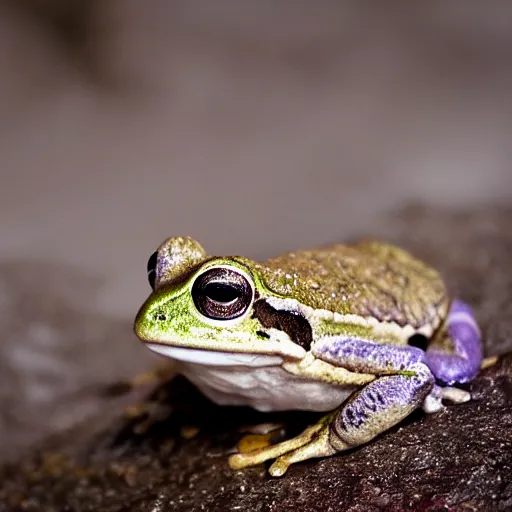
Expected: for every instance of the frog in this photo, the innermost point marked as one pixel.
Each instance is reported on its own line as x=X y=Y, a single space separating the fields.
x=364 y=333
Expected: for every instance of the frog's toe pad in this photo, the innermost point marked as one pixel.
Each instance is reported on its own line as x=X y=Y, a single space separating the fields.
x=455 y=395
x=318 y=447
x=434 y=401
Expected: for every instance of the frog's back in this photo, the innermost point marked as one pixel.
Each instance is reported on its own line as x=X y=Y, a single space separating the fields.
x=369 y=279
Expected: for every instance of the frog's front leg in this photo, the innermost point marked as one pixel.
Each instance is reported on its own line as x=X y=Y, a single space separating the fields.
x=455 y=353
x=403 y=384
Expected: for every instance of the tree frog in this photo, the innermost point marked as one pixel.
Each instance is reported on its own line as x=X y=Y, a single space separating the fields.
x=364 y=332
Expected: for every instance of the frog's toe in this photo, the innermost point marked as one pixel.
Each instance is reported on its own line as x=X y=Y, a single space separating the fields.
x=434 y=400
x=317 y=447
x=455 y=395
x=432 y=404
x=255 y=457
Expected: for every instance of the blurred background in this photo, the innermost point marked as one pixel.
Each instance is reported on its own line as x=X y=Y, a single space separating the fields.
x=253 y=126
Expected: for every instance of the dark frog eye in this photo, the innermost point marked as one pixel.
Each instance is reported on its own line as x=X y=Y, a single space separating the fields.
x=152 y=269
x=222 y=293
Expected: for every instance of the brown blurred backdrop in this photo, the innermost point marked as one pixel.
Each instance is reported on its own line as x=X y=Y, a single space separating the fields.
x=256 y=126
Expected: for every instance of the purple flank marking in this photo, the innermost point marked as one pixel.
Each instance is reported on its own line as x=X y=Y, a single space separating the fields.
x=364 y=356
x=464 y=364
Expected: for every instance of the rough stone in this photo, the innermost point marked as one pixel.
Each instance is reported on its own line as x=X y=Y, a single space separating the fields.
x=148 y=458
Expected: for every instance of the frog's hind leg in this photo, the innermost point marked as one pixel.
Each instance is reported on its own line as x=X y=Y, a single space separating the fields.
x=455 y=353
x=403 y=384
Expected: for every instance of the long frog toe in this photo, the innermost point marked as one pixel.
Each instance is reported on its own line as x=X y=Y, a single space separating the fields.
x=319 y=446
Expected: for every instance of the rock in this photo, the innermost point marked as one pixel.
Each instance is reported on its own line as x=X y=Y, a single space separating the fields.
x=170 y=452
x=56 y=351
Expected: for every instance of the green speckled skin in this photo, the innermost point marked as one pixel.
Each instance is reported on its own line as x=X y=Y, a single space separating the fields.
x=369 y=279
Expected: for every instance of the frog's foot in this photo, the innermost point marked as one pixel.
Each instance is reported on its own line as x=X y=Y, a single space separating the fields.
x=313 y=442
x=434 y=400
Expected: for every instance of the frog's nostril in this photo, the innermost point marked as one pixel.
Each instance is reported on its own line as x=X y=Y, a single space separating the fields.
x=159 y=317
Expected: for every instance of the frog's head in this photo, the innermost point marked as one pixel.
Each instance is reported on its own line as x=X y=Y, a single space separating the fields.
x=214 y=310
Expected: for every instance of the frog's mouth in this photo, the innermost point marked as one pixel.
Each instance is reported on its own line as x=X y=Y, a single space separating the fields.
x=213 y=358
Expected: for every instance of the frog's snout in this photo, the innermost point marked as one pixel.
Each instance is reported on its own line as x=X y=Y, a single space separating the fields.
x=149 y=320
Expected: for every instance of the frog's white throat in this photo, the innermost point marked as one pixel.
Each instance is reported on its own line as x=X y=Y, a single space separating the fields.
x=256 y=380
x=212 y=358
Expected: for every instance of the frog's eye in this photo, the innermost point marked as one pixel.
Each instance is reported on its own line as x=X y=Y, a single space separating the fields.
x=222 y=293
x=152 y=269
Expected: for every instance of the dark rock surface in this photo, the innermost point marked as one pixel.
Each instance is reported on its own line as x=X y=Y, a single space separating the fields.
x=56 y=351
x=459 y=459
